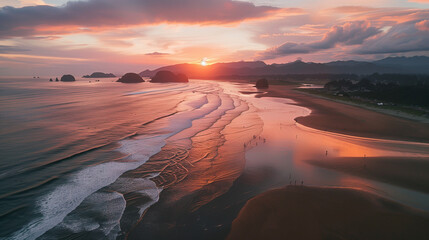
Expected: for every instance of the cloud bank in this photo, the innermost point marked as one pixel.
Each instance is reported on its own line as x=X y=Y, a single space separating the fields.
x=93 y=15
x=410 y=36
x=384 y=31
x=349 y=33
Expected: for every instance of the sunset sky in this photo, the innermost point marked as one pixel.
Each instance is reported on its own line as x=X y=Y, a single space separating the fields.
x=48 y=37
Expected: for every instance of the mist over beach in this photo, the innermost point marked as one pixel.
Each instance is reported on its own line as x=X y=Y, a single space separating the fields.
x=214 y=119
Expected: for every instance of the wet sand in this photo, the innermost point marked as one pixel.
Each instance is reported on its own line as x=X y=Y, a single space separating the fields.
x=203 y=205
x=211 y=221
x=408 y=172
x=337 y=117
x=299 y=212
x=212 y=165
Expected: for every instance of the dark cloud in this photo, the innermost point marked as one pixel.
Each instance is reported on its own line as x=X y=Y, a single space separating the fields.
x=350 y=33
x=94 y=14
x=11 y=49
x=412 y=36
x=157 y=54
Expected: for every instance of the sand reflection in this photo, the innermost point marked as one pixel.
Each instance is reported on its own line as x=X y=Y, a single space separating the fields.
x=289 y=146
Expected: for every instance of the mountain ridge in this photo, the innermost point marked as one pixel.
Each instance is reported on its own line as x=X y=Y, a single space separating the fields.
x=398 y=65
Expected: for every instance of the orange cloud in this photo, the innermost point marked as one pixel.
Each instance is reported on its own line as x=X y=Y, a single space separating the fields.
x=13 y=56
x=392 y=15
x=93 y=15
x=351 y=9
x=423 y=25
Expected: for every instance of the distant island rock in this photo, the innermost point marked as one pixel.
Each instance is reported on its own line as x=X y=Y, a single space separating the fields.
x=182 y=77
x=67 y=78
x=262 y=83
x=131 y=78
x=167 y=76
x=100 y=75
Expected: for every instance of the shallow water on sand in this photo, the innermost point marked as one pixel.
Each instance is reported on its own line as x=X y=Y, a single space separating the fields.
x=288 y=145
x=88 y=160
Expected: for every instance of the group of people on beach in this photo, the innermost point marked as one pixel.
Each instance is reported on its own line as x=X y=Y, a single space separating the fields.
x=257 y=139
x=260 y=139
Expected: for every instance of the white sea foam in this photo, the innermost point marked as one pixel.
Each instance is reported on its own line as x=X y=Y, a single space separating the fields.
x=65 y=198
x=144 y=186
x=55 y=206
x=102 y=212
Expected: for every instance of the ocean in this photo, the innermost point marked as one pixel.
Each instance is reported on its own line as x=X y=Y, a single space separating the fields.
x=66 y=146
x=89 y=159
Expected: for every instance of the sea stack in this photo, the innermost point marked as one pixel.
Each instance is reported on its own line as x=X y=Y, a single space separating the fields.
x=67 y=78
x=167 y=76
x=182 y=77
x=100 y=75
x=262 y=83
x=131 y=78
x=50 y=79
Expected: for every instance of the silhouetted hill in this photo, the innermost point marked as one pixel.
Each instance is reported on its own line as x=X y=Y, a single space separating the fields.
x=405 y=61
x=130 y=78
x=100 y=75
x=401 y=65
x=241 y=64
x=68 y=78
x=168 y=76
x=417 y=64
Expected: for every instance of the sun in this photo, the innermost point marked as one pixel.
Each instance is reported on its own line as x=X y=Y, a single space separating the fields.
x=204 y=62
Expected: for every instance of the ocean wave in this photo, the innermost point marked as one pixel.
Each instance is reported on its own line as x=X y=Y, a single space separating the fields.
x=55 y=206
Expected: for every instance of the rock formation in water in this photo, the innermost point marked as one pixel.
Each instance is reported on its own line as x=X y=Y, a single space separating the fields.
x=167 y=76
x=182 y=77
x=67 y=78
x=100 y=75
x=131 y=78
x=50 y=80
x=262 y=83
x=56 y=80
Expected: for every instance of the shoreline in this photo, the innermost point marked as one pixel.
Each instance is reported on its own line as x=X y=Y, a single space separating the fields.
x=338 y=117
x=407 y=172
x=205 y=215
x=389 y=112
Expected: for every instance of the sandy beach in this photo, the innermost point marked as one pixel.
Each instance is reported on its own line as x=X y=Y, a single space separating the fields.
x=299 y=212
x=337 y=117
x=203 y=204
x=407 y=172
